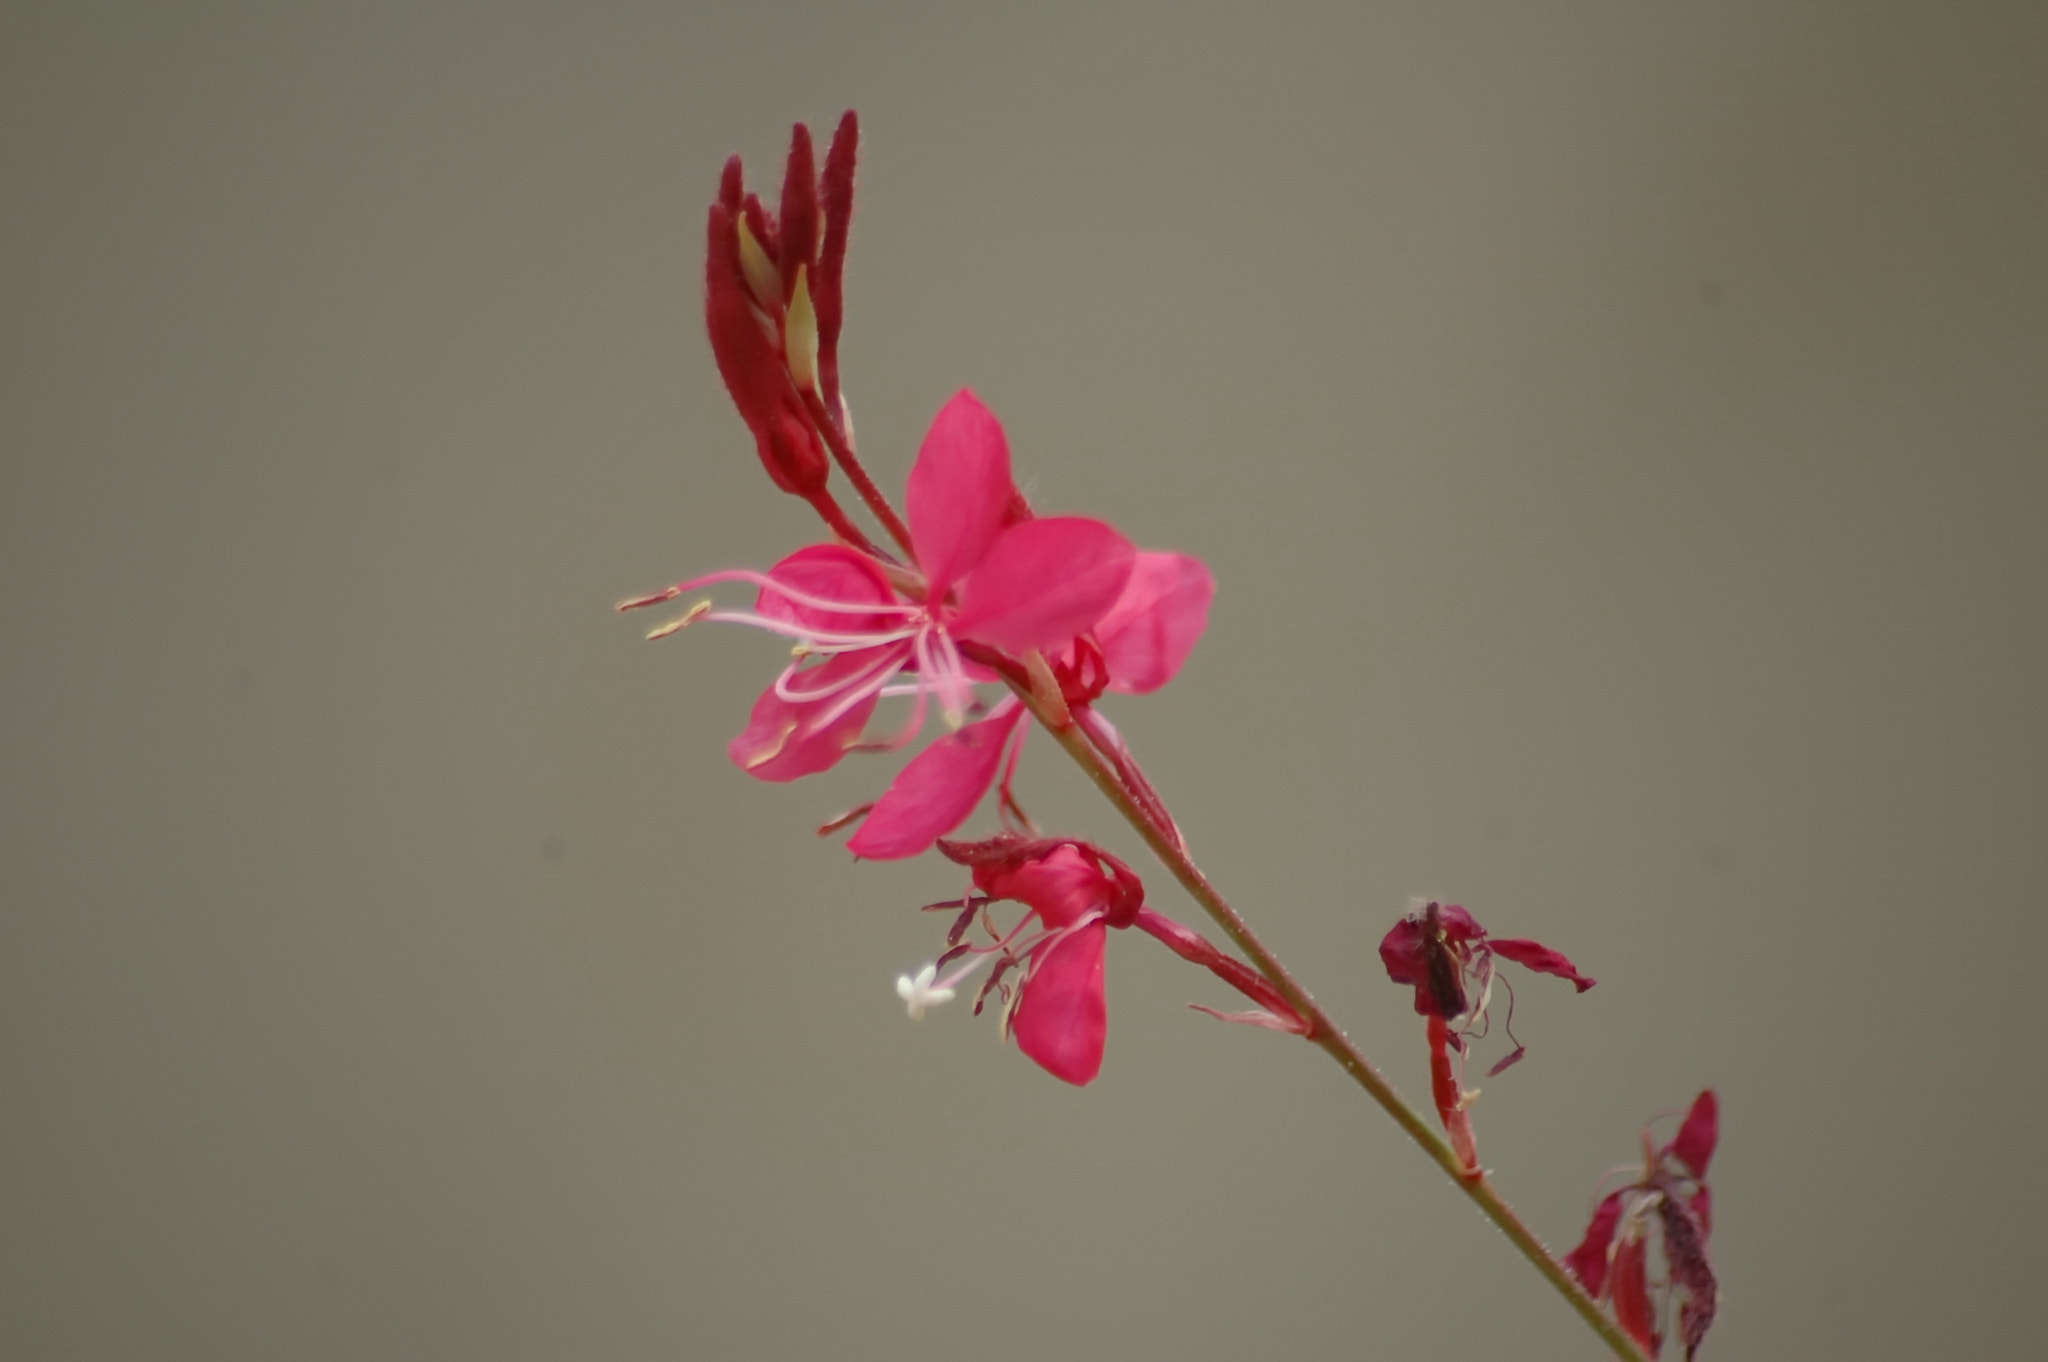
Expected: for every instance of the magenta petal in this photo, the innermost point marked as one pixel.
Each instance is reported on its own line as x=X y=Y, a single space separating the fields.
x=938 y=789
x=1401 y=953
x=1059 y=887
x=1542 y=959
x=1153 y=626
x=783 y=739
x=831 y=572
x=959 y=491
x=1588 y=1262
x=1062 y=1019
x=1042 y=582
x=1694 y=1143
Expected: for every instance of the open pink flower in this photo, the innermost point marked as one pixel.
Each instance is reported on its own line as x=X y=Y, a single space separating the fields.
x=1666 y=1198
x=985 y=573
x=1074 y=892
x=1137 y=647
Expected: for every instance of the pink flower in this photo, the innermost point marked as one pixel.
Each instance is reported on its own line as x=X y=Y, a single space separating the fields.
x=1668 y=1194
x=1074 y=892
x=1136 y=648
x=986 y=574
x=1447 y=958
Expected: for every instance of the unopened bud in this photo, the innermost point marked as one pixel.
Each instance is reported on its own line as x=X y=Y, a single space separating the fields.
x=800 y=334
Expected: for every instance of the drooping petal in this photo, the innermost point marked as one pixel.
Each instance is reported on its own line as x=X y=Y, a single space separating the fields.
x=830 y=572
x=1542 y=959
x=1629 y=1284
x=937 y=790
x=1685 y=1261
x=1588 y=1262
x=1148 y=633
x=1042 y=582
x=1694 y=1143
x=959 y=490
x=784 y=739
x=1062 y=1018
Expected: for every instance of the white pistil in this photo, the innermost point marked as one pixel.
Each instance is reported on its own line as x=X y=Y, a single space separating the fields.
x=919 y=993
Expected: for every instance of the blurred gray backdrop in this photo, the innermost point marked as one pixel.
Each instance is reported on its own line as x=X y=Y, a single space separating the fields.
x=1618 y=433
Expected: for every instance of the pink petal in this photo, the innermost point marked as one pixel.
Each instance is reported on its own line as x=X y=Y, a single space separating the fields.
x=1042 y=582
x=1062 y=1019
x=959 y=492
x=1542 y=959
x=1148 y=633
x=832 y=572
x=1060 y=886
x=1694 y=1143
x=1588 y=1262
x=937 y=791
x=783 y=741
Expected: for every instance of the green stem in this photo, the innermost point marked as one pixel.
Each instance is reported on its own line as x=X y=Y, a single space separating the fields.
x=1324 y=1032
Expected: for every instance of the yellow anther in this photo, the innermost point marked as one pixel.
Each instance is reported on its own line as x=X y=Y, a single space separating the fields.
x=683 y=621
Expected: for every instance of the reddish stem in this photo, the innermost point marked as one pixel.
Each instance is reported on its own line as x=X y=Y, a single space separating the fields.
x=827 y=506
x=842 y=453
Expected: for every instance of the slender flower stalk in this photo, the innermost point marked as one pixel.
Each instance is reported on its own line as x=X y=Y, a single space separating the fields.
x=1166 y=844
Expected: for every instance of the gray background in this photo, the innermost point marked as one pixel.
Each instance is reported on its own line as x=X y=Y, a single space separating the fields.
x=1618 y=432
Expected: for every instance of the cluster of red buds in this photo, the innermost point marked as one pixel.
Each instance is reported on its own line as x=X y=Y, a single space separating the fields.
x=773 y=302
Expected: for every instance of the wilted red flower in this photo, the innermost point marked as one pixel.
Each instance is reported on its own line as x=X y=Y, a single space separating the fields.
x=1670 y=1193
x=1447 y=958
x=1074 y=892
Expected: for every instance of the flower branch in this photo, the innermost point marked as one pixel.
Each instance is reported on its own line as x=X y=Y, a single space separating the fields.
x=986 y=595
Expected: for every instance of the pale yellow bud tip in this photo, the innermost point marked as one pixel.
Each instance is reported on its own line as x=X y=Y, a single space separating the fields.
x=683 y=621
x=759 y=269
x=800 y=334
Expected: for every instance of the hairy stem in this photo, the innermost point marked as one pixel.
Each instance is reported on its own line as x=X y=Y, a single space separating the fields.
x=1323 y=1032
